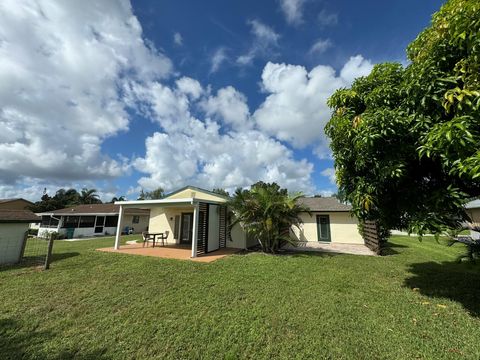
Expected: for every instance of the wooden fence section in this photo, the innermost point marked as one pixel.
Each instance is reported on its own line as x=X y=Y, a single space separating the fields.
x=371 y=236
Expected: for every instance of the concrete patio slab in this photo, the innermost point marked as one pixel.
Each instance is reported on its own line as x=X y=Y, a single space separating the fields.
x=354 y=249
x=171 y=252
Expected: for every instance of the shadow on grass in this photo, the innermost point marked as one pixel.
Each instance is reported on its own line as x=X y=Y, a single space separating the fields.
x=389 y=248
x=459 y=282
x=32 y=261
x=300 y=253
x=17 y=343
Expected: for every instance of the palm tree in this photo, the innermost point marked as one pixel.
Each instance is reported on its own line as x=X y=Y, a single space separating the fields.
x=267 y=212
x=89 y=196
x=121 y=198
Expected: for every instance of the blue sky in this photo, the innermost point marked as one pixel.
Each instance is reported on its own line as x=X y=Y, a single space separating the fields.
x=124 y=96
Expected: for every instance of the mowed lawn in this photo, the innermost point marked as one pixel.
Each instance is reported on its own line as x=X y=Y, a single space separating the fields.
x=415 y=303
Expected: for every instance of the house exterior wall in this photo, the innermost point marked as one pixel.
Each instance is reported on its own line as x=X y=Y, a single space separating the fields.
x=192 y=193
x=160 y=221
x=11 y=240
x=137 y=228
x=474 y=215
x=343 y=228
x=238 y=238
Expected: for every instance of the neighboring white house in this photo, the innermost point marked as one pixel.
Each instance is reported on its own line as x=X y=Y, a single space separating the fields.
x=92 y=220
x=198 y=218
x=13 y=227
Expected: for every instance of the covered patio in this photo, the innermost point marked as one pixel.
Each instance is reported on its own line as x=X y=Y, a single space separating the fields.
x=193 y=227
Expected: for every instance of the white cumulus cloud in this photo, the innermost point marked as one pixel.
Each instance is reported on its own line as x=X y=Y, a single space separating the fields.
x=330 y=173
x=296 y=108
x=61 y=64
x=229 y=106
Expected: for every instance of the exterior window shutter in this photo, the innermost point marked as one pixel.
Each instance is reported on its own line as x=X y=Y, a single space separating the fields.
x=176 y=227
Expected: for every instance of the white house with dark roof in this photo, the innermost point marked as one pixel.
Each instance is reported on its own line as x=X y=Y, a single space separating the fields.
x=329 y=221
x=92 y=220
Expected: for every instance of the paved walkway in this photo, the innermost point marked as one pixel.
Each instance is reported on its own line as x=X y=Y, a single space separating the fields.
x=355 y=249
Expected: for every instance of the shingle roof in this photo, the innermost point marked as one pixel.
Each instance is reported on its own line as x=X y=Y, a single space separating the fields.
x=16 y=216
x=13 y=199
x=96 y=209
x=324 y=204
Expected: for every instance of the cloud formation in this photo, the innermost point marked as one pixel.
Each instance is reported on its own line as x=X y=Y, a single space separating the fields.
x=320 y=46
x=264 y=44
x=293 y=11
x=296 y=108
x=60 y=76
x=178 y=39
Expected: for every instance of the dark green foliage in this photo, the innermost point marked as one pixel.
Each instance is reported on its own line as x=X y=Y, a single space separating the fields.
x=151 y=195
x=65 y=198
x=221 y=191
x=266 y=212
x=89 y=196
x=405 y=140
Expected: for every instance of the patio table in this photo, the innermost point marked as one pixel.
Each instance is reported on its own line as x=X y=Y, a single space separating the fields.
x=160 y=235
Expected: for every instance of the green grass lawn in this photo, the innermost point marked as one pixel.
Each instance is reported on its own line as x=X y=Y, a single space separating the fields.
x=415 y=303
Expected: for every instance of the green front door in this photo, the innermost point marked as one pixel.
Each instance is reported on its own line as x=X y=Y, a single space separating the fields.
x=323 y=228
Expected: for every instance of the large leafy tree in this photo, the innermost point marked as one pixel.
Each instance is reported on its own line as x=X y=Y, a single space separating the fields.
x=406 y=140
x=266 y=212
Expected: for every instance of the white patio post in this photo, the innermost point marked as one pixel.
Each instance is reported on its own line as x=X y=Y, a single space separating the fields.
x=119 y=228
x=195 y=231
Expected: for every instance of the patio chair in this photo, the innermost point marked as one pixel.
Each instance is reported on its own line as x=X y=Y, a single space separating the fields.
x=165 y=237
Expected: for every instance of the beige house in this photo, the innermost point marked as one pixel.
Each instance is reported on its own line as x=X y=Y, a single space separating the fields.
x=92 y=220
x=329 y=221
x=197 y=218
x=13 y=227
x=192 y=216
x=473 y=210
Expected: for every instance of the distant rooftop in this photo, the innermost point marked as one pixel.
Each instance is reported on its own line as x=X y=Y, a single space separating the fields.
x=13 y=199
x=18 y=216
x=87 y=209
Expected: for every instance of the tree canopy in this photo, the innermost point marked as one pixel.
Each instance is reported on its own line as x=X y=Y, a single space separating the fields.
x=151 y=195
x=65 y=198
x=406 y=140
